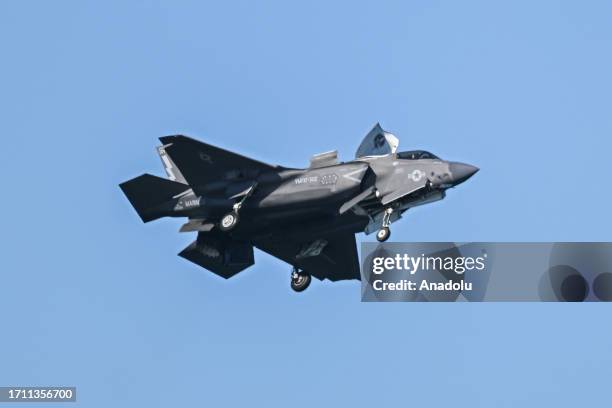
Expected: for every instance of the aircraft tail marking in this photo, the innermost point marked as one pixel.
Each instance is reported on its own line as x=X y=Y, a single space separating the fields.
x=172 y=170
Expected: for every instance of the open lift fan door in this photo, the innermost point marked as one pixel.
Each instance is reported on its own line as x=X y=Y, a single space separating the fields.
x=377 y=142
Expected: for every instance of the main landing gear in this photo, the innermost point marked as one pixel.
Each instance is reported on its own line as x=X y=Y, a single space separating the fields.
x=299 y=280
x=229 y=220
x=384 y=233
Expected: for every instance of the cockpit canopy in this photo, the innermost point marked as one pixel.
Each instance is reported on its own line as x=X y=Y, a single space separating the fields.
x=416 y=155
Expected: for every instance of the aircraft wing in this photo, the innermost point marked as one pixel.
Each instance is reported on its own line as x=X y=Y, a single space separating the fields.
x=332 y=257
x=201 y=163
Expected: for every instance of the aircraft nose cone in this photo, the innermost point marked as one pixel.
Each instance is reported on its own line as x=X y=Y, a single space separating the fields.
x=461 y=172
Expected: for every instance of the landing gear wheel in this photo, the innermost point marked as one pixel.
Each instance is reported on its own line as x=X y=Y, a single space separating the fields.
x=228 y=221
x=300 y=281
x=383 y=234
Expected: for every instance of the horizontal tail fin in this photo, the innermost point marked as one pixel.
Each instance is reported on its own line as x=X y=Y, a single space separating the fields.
x=148 y=193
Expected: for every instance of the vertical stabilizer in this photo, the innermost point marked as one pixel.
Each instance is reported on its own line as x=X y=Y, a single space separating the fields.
x=172 y=171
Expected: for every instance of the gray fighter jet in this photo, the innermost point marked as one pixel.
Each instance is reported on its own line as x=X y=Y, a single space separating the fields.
x=306 y=217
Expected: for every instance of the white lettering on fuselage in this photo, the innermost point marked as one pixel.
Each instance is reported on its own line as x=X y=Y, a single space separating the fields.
x=325 y=179
x=193 y=202
x=306 y=180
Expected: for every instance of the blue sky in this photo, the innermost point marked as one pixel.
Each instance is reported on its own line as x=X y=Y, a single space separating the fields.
x=92 y=297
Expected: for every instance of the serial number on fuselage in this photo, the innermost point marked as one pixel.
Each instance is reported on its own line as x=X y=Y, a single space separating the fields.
x=326 y=179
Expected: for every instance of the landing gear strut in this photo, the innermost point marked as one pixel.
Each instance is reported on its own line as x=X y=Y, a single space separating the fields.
x=299 y=280
x=384 y=233
x=230 y=220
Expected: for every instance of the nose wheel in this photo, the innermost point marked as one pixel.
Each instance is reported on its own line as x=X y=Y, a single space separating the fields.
x=300 y=280
x=384 y=233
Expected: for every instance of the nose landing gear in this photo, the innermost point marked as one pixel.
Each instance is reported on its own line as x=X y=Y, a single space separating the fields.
x=384 y=233
x=300 y=280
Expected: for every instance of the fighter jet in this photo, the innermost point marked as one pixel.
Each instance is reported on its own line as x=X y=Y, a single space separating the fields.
x=306 y=217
